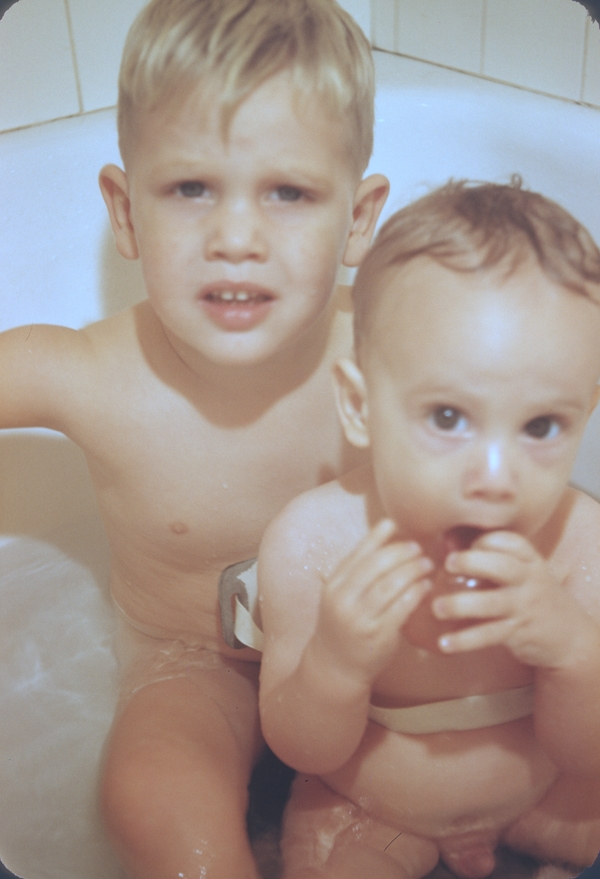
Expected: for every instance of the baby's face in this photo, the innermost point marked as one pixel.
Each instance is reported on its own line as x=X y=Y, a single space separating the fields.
x=478 y=392
x=240 y=238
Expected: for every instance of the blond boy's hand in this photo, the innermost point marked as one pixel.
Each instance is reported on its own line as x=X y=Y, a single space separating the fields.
x=367 y=600
x=529 y=611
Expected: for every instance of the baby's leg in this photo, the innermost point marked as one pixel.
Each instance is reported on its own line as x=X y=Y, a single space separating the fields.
x=325 y=835
x=174 y=793
x=564 y=827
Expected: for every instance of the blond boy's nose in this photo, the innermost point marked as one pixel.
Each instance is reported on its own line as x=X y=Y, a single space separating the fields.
x=491 y=473
x=235 y=236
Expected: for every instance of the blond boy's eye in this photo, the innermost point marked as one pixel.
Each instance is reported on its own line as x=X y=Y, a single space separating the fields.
x=448 y=418
x=192 y=189
x=288 y=193
x=543 y=427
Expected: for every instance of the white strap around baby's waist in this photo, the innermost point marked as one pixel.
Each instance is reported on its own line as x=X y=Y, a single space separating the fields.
x=238 y=585
x=470 y=712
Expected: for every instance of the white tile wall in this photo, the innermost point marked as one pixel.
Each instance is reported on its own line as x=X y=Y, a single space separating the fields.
x=37 y=77
x=536 y=43
x=591 y=77
x=383 y=24
x=549 y=46
x=361 y=11
x=61 y=57
x=448 y=32
x=99 y=31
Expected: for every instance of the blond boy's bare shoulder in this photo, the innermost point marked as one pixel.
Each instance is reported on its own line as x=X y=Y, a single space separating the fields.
x=48 y=371
x=117 y=332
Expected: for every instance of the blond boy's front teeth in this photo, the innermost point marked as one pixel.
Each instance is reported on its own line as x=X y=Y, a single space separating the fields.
x=231 y=295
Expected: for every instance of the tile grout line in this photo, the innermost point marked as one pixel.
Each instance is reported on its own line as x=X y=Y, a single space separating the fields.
x=586 y=35
x=482 y=44
x=74 y=56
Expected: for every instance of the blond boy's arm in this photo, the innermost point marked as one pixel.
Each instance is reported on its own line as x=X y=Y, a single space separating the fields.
x=42 y=368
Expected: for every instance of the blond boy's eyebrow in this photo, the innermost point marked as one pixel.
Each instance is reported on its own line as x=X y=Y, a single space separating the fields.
x=282 y=174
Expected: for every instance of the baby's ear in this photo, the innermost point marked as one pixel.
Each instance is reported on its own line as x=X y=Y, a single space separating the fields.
x=115 y=192
x=595 y=398
x=351 y=399
x=368 y=201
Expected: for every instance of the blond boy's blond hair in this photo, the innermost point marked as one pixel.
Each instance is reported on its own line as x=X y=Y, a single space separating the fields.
x=230 y=47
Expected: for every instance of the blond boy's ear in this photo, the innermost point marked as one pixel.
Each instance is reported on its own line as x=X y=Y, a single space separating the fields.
x=595 y=398
x=115 y=192
x=368 y=201
x=351 y=399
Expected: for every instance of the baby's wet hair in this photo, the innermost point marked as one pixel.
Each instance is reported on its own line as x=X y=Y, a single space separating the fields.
x=230 y=47
x=467 y=226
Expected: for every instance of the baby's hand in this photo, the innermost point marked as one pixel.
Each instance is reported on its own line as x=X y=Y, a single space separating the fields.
x=367 y=600
x=530 y=611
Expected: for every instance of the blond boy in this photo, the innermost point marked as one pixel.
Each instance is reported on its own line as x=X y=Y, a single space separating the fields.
x=432 y=620
x=245 y=128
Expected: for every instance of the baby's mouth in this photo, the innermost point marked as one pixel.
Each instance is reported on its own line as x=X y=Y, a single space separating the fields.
x=462 y=537
x=457 y=539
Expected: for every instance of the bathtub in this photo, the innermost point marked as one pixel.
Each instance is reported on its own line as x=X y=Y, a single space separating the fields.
x=59 y=265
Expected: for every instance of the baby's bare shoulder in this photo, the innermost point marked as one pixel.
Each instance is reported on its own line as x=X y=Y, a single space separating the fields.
x=320 y=513
x=316 y=530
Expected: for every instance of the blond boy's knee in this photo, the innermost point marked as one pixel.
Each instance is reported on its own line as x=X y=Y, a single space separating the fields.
x=157 y=804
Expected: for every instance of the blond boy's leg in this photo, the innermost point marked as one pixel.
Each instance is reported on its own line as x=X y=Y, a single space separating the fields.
x=174 y=793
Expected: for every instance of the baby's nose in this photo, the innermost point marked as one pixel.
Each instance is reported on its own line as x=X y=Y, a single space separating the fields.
x=491 y=472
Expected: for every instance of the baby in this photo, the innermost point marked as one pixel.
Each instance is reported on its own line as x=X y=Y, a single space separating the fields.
x=245 y=127
x=432 y=620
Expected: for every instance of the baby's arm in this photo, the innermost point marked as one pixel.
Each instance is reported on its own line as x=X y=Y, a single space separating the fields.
x=326 y=642
x=547 y=613
x=41 y=369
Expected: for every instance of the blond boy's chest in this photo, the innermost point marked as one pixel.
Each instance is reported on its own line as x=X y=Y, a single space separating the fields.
x=182 y=497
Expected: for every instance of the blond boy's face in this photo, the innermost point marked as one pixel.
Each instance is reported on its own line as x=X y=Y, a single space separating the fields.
x=478 y=392
x=240 y=239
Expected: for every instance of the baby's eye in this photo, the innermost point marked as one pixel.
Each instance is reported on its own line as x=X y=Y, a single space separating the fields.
x=287 y=193
x=192 y=189
x=543 y=427
x=448 y=418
